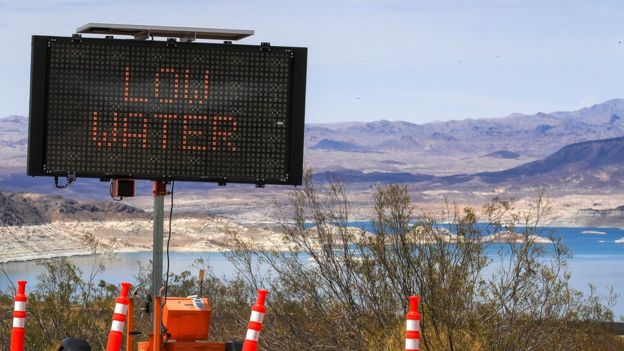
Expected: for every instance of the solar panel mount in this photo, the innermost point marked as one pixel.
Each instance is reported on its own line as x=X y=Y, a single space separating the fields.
x=185 y=34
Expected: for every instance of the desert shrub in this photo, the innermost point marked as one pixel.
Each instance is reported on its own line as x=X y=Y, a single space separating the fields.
x=65 y=302
x=61 y=305
x=339 y=288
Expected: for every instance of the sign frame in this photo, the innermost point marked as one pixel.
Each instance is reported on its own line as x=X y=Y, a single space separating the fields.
x=38 y=116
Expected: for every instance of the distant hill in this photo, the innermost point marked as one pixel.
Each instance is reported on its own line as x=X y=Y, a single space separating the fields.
x=597 y=160
x=355 y=176
x=594 y=165
x=333 y=145
x=13 y=131
x=29 y=209
x=13 y=143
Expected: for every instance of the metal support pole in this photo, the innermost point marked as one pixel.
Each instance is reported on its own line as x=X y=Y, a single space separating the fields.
x=159 y=189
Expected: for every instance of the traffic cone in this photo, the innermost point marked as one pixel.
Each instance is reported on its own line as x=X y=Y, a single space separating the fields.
x=115 y=337
x=412 y=330
x=255 y=322
x=19 y=317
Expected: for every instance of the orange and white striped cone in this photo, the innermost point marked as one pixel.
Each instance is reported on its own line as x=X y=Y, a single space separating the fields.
x=19 y=317
x=255 y=322
x=115 y=337
x=412 y=330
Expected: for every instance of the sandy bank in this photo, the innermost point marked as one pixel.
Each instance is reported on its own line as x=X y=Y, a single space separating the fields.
x=593 y=232
x=64 y=239
x=517 y=238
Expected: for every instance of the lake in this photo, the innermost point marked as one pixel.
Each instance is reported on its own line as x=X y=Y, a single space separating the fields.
x=597 y=259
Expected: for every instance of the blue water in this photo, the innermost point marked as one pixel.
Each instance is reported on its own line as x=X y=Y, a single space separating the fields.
x=597 y=259
x=120 y=267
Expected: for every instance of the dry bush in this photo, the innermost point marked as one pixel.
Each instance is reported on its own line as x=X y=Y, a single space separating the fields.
x=338 y=288
x=65 y=302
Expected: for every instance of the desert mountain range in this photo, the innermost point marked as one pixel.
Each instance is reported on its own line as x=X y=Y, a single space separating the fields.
x=581 y=149
x=596 y=164
x=527 y=135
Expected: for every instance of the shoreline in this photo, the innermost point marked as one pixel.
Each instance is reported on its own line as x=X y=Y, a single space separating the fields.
x=45 y=256
x=191 y=234
x=83 y=238
x=56 y=254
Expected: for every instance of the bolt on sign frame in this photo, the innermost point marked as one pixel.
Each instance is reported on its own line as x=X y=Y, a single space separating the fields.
x=166 y=110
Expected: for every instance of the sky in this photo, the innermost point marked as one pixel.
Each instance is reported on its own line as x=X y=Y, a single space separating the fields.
x=416 y=61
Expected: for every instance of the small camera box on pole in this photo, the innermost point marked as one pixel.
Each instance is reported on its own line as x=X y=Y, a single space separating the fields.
x=122 y=188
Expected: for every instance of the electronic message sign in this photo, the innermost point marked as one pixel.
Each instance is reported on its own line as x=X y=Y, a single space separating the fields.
x=166 y=110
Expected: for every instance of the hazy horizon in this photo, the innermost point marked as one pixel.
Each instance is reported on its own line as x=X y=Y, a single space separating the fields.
x=425 y=122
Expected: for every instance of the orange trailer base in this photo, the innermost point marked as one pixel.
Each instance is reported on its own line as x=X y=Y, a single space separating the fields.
x=187 y=320
x=182 y=346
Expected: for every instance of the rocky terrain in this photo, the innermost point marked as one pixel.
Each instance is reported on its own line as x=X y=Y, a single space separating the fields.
x=71 y=238
x=585 y=167
x=18 y=209
x=40 y=226
x=609 y=217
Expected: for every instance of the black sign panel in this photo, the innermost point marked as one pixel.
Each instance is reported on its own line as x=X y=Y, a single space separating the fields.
x=166 y=111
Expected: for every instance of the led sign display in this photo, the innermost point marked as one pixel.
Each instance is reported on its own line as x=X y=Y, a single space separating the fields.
x=159 y=110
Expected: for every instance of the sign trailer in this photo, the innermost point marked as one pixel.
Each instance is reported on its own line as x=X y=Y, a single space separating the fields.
x=166 y=110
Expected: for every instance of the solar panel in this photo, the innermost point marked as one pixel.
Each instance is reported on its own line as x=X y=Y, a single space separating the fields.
x=144 y=31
